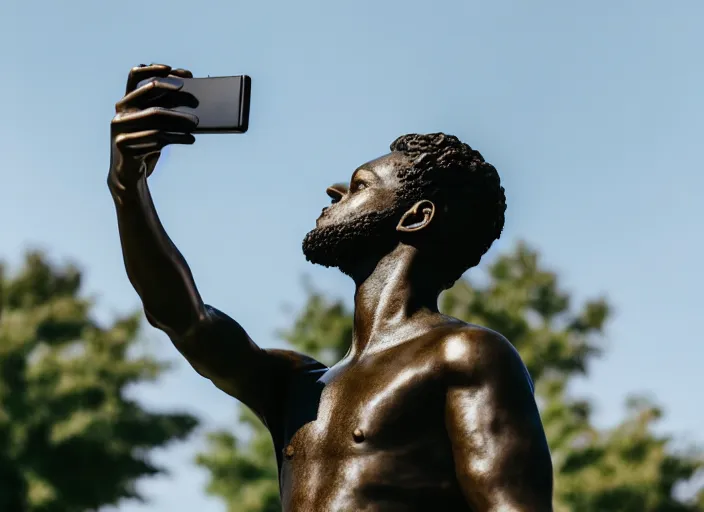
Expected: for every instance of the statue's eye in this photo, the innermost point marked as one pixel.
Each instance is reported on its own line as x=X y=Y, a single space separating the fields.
x=359 y=185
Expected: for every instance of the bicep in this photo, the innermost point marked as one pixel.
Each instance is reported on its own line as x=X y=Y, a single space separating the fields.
x=502 y=460
x=220 y=349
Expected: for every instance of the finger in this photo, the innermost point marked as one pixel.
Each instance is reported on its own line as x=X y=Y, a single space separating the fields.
x=180 y=138
x=155 y=118
x=139 y=142
x=148 y=91
x=182 y=73
x=149 y=141
x=162 y=92
x=143 y=72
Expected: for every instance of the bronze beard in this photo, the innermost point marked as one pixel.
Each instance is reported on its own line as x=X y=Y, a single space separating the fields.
x=342 y=245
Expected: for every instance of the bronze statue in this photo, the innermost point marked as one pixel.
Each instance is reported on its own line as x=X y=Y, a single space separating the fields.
x=425 y=412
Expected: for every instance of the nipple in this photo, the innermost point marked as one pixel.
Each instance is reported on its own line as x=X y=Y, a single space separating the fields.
x=289 y=451
x=358 y=435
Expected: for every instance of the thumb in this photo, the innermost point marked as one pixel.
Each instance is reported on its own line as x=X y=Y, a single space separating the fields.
x=150 y=163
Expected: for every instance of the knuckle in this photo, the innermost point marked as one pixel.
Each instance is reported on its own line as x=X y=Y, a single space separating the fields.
x=118 y=118
x=119 y=108
x=155 y=111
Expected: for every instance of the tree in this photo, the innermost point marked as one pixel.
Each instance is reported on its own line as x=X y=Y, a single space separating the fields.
x=70 y=437
x=626 y=469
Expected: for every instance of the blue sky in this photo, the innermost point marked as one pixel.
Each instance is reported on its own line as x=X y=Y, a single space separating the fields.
x=591 y=111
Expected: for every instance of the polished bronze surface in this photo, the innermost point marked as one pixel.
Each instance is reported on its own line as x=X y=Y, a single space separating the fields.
x=424 y=413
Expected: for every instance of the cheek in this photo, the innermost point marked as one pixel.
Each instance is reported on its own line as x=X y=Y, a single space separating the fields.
x=371 y=201
x=360 y=204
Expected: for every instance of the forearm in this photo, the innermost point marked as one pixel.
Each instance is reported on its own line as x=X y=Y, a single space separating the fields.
x=157 y=270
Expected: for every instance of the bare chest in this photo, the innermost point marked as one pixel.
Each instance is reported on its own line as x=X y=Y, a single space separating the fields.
x=375 y=435
x=381 y=404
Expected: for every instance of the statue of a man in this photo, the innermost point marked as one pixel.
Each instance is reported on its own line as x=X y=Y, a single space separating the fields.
x=425 y=412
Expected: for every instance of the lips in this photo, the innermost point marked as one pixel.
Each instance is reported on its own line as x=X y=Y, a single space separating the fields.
x=320 y=217
x=324 y=212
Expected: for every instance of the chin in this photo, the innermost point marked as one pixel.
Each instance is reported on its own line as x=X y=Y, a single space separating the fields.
x=345 y=244
x=320 y=248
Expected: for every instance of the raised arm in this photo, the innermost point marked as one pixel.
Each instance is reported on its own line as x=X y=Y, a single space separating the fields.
x=502 y=459
x=142 y=127
x=215 y=345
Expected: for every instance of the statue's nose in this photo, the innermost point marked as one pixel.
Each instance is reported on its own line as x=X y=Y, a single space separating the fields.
x=337 y=191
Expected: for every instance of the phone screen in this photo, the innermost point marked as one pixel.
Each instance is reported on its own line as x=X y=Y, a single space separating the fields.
x=223 y=103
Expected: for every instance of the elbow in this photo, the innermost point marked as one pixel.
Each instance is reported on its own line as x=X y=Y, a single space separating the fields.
x=181 y=328
x=153 y=321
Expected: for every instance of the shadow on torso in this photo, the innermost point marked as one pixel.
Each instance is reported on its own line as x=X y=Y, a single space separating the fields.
x=368 y=435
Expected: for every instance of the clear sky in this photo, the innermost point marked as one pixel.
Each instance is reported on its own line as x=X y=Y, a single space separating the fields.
x=591 y=111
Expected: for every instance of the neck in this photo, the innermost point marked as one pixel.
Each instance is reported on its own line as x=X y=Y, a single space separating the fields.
x=392 y=301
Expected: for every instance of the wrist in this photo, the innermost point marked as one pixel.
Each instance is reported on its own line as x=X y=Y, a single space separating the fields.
x=123 y=188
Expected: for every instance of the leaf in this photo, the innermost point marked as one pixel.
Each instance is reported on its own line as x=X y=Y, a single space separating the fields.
x=70 y=439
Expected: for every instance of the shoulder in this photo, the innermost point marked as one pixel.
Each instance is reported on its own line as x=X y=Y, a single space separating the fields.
x=473 y=354
x=466 y=347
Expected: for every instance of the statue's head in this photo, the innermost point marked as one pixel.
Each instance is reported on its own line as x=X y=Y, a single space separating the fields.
x=432 y=192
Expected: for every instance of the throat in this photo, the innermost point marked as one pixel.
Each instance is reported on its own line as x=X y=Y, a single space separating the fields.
x=396 y=302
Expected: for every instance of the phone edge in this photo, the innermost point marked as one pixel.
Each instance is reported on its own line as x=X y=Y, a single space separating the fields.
x=245 y=100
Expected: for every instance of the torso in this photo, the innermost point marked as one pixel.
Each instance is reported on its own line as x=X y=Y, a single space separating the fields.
x=379 y=440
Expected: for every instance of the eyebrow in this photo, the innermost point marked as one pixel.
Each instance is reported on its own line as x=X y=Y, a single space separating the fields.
x=363 y=170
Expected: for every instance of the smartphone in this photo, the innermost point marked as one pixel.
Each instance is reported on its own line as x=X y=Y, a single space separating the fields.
x=223 y=103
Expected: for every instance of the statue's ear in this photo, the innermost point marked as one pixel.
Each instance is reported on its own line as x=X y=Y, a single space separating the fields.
x=417 y=217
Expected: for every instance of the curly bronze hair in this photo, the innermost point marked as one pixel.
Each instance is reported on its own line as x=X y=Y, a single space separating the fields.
x=466 y=191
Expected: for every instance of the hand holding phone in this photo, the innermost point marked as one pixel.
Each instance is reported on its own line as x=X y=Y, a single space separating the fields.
x=221 y=103
x=164 y=106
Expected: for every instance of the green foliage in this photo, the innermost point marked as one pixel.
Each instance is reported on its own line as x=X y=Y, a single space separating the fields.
x=70 y=437
x=625 y=469
x=322 y=329
x=243 y=474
